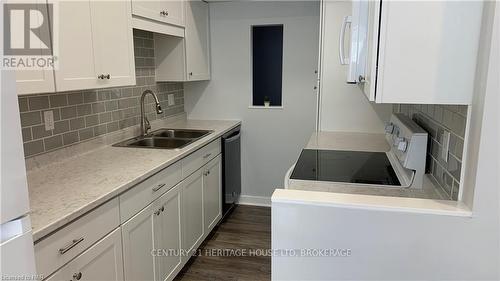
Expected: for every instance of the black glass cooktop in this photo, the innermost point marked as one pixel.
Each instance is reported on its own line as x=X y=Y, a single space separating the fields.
x=345 y=166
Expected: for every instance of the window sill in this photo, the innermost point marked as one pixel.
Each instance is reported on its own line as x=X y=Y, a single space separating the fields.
x=264 y=107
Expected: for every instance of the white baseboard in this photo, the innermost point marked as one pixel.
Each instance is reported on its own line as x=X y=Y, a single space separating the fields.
x=255 y=200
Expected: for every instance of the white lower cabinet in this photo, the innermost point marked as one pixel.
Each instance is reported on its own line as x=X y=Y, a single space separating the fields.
x=212 y=188
x=167 y=234
x=152 y=240
x=102 y=261
x=153 y=243
x=192 y=201
x=137 y=235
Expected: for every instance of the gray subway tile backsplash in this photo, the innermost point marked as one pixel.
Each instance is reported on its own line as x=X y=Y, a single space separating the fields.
x=53 y=142
x=38 y=102
x=31 y=118
x=436 y=119
x=33 y=147
x=83 y=115
x=23 y=104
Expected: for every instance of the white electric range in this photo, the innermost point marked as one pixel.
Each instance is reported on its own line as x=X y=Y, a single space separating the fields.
x=402 y=166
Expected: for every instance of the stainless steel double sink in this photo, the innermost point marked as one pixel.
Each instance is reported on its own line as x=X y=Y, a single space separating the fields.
x=165 y=139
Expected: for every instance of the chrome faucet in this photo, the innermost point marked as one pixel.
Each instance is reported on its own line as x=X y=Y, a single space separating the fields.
x=145 y=126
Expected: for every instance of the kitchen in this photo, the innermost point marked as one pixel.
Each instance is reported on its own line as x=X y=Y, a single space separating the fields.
x=253 y=126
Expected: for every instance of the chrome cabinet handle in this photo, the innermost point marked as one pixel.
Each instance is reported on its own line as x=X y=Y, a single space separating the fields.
x=77 y=276
x=102 y=76
x=70 y=246
x=160 y=210
x=164 y=13
x=207 y=155
x=158 y=187
x=190 y=74
x=361 y=79
x=347 y=21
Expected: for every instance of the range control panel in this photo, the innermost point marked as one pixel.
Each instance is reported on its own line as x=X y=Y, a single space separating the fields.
x=409 y=144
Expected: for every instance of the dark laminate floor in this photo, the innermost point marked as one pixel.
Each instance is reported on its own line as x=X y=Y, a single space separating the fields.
x=248 y=228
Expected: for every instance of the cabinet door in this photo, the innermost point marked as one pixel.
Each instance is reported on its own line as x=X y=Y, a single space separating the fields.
x=171 y=12
x=197 y=41
x=148 y=9
x=113 y=43
x=103 y=261
x=36 y=81
x=424 y=57
x=192 y=197
x=212 y=188
x=76 y=66
x=174 y=12
x=167 y=234
x=368 y=86
x=137 y=234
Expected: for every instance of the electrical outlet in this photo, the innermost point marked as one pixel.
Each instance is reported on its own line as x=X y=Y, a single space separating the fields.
x=445 y=139
x=48 y=118
x=171 y=99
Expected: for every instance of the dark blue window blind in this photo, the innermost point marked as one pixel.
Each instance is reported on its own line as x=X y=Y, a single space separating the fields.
x=267 y=59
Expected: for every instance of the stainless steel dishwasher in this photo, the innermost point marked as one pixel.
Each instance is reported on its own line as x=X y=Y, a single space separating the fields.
x=231 y=172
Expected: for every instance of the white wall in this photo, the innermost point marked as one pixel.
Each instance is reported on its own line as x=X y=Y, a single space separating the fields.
x=388 y=245
x=271 y=139
x=343 y=106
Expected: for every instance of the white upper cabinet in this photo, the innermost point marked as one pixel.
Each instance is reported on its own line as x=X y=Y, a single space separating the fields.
x=421 y=52
x=188 y=58
x=171 y=12
x=197 y=41
x=36 y=81
x=161 y=16
x=95 y=45
x=113 y=42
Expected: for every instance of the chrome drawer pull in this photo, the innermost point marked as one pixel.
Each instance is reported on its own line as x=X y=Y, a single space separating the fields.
x=158 y=187
x=77 y=276
x=207 y=155
x=70 y=246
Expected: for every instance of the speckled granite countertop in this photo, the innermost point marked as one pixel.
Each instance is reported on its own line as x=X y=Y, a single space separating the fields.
x=360 y=142
x=67 y=184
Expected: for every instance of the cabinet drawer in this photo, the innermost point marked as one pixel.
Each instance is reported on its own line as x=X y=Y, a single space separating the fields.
x=141 y=195
x=102 y=261
x=200 y=157
x=65 y=244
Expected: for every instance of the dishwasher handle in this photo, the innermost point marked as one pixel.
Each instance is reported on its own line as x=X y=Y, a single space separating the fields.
x=233 y=137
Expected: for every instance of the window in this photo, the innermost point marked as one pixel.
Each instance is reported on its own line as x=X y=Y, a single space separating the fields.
x=267 y=62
